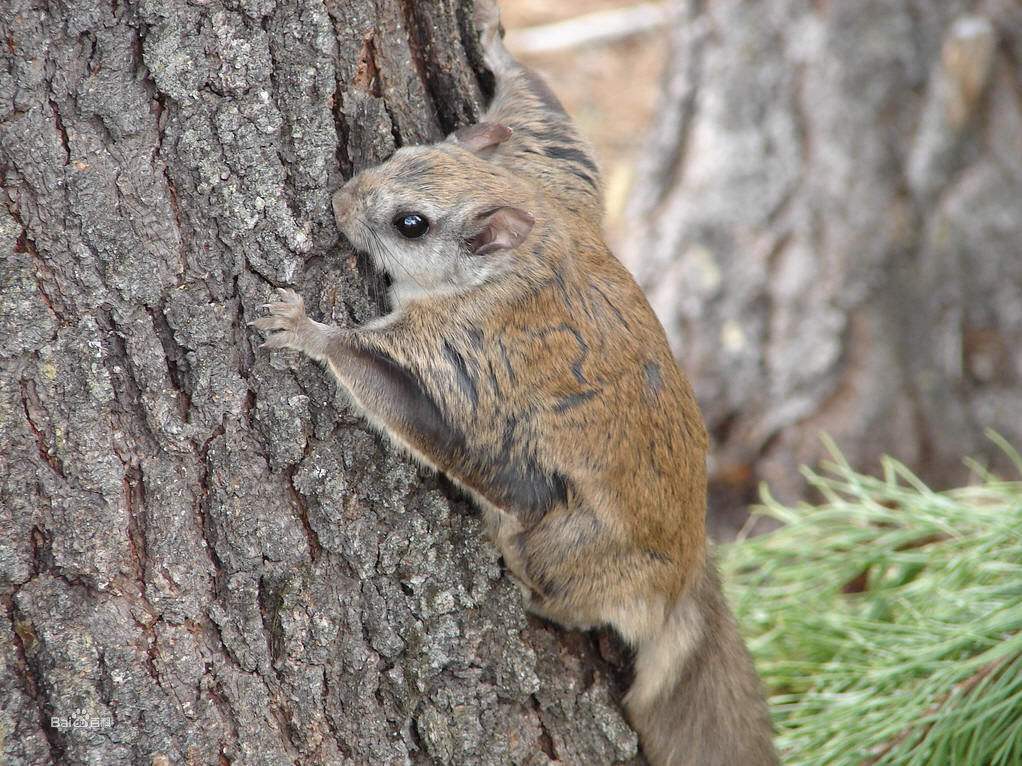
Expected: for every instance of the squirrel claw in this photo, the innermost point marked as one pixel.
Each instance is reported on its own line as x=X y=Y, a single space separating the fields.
x=278 y=340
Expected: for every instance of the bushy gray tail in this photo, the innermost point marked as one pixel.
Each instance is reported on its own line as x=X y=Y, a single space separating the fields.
x=696 y=699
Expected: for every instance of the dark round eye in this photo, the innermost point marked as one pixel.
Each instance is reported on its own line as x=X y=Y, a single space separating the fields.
x=411 y=225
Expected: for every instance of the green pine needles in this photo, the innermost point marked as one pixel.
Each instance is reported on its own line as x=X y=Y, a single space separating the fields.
x=887 y=621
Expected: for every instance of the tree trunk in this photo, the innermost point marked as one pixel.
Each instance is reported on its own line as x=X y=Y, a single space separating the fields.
x=204 y=556
x=828 y=221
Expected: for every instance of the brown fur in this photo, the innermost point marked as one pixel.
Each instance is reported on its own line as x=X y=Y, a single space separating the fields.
x=532 y=371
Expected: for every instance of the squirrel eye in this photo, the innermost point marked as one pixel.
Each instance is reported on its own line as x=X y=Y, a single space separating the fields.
x=411 y=225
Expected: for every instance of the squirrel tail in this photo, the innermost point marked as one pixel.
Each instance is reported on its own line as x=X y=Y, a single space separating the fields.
x=696 y=699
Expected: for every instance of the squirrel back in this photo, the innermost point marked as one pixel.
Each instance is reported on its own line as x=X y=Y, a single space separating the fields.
x=696 y=699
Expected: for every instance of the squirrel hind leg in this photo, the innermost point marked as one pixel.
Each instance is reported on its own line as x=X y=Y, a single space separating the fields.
x=491 y=37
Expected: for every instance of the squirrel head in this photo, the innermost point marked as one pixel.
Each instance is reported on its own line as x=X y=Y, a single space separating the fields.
x=438 y=219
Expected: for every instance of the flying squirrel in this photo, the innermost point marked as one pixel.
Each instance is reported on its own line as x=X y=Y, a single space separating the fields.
x=522 y=360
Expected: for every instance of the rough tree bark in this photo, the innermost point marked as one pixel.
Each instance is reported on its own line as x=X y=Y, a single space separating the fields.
x=204 y=557
x=828 y=220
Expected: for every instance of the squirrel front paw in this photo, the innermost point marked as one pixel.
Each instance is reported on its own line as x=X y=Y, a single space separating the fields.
x=290 y=327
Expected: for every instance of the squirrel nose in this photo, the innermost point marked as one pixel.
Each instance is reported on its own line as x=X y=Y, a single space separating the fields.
x=343 y=201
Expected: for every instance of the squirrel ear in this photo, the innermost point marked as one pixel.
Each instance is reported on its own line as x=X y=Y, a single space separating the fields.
x=502 y=228
x=482 y=135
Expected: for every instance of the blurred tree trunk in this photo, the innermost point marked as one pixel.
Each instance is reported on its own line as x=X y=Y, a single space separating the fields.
x=828 y=219
x=204 y=557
